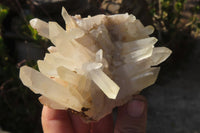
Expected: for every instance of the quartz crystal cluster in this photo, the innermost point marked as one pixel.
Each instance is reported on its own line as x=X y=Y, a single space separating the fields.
x=96 y=63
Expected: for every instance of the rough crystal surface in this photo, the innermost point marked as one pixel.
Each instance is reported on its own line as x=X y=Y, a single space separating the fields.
x=97 y=63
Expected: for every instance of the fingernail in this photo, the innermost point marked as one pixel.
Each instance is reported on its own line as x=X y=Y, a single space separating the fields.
x=136 y=108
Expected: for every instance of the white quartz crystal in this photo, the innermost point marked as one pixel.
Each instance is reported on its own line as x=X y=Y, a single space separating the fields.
x=97 y=63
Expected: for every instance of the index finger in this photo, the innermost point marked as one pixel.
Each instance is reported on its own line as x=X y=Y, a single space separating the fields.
x=56 y=121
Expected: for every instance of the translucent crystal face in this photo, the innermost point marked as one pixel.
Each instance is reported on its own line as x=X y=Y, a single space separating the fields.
x=97 y=63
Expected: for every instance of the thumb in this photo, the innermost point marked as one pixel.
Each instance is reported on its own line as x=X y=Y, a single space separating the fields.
x=132 y=117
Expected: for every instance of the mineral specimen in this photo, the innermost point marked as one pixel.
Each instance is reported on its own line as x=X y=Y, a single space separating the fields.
x=97 y=63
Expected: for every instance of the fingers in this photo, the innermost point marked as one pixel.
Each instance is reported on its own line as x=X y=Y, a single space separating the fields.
x=132 y=117
x=78 y=125
x=105 y=125
x=56 y=121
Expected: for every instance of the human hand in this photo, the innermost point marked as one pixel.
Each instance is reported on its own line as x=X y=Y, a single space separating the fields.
x=131 y=118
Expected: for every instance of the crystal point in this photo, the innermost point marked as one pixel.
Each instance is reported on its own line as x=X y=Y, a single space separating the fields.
x=41 y=26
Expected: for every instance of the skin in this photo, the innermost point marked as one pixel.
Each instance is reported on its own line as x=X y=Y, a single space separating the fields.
x=131 y=118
